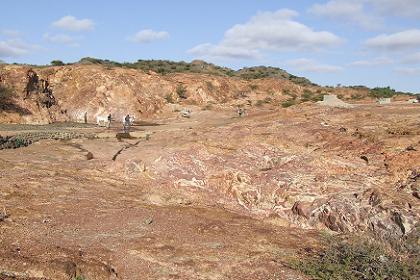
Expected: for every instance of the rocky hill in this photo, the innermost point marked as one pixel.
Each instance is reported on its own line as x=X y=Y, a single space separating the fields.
x=95 y=87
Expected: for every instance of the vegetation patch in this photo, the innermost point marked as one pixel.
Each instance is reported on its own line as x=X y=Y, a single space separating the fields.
x=311 y=96
x=289 y=102
x=26 y=139
x=181 y=91
x=356 y=96
x=170 y=99
x=382 y=92
x=6 y=95
x=359 y=257
x=57 y=63
x=165 y=67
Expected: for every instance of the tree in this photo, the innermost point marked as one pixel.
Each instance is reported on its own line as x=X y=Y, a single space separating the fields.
x=57 y=63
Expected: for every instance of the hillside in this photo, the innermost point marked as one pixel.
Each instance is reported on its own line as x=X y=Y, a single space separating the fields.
x=201 y=67
x=147 y=88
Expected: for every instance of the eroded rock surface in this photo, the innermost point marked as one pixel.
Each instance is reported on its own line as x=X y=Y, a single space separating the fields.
x=228 y=197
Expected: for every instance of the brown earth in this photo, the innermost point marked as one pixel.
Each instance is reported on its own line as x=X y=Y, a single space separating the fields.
x=66 y=93
x=214 y=196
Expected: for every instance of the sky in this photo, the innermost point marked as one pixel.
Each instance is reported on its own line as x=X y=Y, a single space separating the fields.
x=358 y=42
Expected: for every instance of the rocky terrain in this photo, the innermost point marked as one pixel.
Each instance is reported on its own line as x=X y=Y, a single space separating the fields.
x=213 y=196
x=81 y=92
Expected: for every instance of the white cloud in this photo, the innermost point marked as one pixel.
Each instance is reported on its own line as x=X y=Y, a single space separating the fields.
x=411 y=59
x=402 y=8
x=309 y=65
x=374 y=62
x=408 y=71
x=10 y=33
x=368 y=14
x=73 y=24
x=61 y=39
x=220 y=51
x=268 y=31
x=149 y=35
x=13 y=48
x=347 y=12
x=404 y=40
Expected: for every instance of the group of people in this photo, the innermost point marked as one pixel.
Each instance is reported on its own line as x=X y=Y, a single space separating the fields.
x=241 y=111
x=127 y=122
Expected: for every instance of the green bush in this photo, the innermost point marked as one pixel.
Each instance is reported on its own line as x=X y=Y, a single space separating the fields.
x=310 y=96
x=181 y=91
x=317 y=97
x=6 y=95
x=170 y=99
x=356 y=96
x=57 y=63
x=20 y=142
x=307 y=95
x=358 y=258
x=288 y=103
x=382 y=92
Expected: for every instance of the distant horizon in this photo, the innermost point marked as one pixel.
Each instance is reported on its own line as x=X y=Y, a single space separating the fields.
x=375 y=43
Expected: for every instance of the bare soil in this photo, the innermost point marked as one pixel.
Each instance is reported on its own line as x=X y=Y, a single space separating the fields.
x=210 y=197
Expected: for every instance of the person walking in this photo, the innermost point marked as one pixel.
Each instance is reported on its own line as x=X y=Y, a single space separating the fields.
x=127 y=124
x=108 y=125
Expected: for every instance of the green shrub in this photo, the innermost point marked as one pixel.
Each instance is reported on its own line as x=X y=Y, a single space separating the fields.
x=317 y=97
x=6 y=95
x=382 y=92
x=358 y=258
x=288 y=103
x=356 y=96
x=307 y=95
x=310 y=96
x=20 y=142
x=170 y=99
x=57 y=63
x=181 y=91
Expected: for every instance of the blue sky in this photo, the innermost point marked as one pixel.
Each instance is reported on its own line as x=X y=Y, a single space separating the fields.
x=359 y=42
